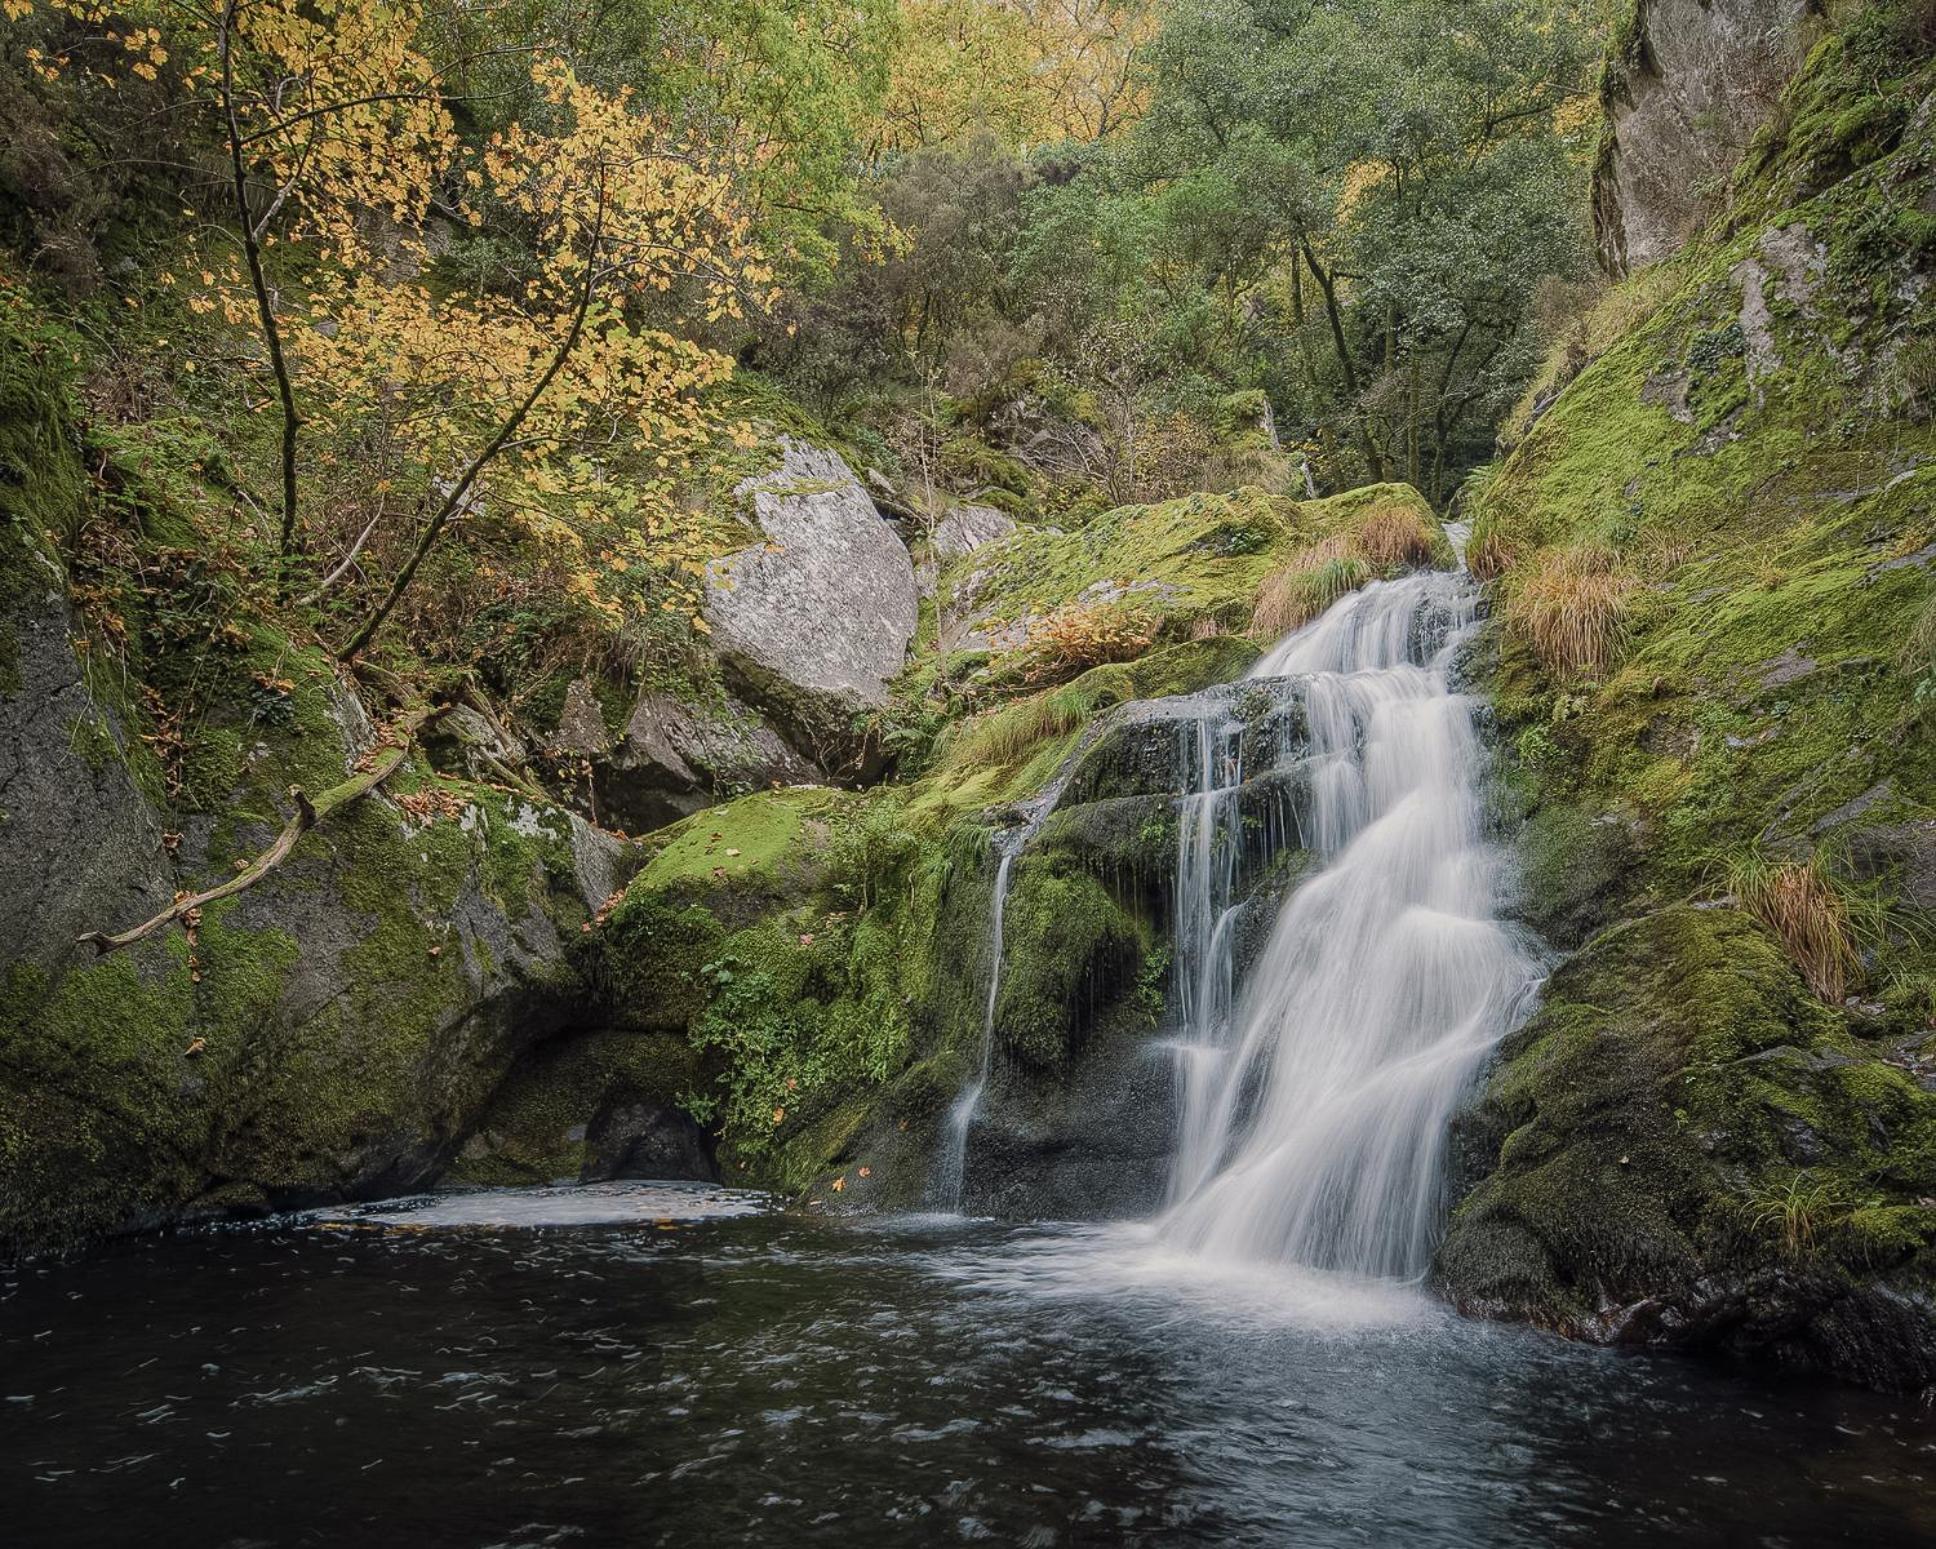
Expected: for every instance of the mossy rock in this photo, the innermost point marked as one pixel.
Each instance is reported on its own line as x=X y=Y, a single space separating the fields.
x=1200 y=558
x=1684 y=1147
x=330 y=1033
x=1069 y=952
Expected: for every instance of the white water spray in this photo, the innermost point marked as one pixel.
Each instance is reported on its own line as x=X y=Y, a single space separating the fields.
x=1315 y=1106
x=951 y=1167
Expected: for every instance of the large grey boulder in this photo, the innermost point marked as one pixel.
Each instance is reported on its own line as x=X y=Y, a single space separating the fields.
x=813 y=621
x=1693 y=81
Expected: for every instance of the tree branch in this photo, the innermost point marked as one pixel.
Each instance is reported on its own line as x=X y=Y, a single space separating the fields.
x=454 y=502
x=349 y=559
x=308 y=815
x=252 y=248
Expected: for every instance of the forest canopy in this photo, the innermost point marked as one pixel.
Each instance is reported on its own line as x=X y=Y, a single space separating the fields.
x=479 y=295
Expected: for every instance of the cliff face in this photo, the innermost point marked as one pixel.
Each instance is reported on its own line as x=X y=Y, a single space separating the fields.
x=333 y=1031
x=1689 y=83
x=1716 y=554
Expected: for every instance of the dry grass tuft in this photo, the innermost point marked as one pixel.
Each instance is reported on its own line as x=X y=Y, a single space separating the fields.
x=1571 y=607
x=1800 y=902
x=1316 y=577
x=1393 y=536
x=1487 y=554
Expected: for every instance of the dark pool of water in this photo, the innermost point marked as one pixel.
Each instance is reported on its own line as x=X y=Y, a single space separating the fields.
x=770 y=1380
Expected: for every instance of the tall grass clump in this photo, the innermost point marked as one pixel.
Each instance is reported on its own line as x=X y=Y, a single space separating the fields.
x=1317 y=576
x=1808 y=912
x=1005 y=737
x=1392 y=536
x=1795 y=1212
x=1487 y=554
x=1571 y=606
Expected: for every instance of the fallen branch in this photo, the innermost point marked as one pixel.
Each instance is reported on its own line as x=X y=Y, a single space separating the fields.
x=390 y=754
x=349 y=559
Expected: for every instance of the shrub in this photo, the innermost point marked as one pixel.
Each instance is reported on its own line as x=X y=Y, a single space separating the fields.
x=1571 y=606
x=1071 y=640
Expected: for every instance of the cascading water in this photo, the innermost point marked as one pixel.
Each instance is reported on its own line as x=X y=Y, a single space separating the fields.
x=951 y=1166
x=1314 y=1108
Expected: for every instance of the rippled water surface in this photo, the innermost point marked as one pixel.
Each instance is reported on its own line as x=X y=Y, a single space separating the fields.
x=654 y=1372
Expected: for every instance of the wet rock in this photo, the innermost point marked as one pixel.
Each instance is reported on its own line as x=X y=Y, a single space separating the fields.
x=348 y=1015
x=1683 y=1148
x=644 y=1139
x=1094 y=1146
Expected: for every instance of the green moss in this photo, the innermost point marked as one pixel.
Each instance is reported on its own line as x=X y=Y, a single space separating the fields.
x=1779 y=528
x=764 y=836
x=43 y=487
x=1633 y=1133
x=1069 y=952
x=125 y=1080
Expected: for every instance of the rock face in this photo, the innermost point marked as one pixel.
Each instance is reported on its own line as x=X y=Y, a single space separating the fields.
x=645 y=1139
x=76 y=838
x=967 y=528
x=676 y=758
x=813 y=622
x=1692 y=82
x=331 y=1033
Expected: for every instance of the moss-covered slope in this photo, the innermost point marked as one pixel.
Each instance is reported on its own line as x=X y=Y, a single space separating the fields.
x=1716 y=553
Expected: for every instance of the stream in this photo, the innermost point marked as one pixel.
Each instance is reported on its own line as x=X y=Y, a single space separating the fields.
x=638 y=1364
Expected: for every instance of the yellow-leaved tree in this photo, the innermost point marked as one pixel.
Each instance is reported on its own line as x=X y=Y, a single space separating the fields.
x=349 y=187
x=1024 y=71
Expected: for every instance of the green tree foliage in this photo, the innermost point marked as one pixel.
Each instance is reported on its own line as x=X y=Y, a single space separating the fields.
x=1339 y=214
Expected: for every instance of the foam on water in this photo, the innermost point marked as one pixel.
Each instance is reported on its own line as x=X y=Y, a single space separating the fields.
x=581 y=1204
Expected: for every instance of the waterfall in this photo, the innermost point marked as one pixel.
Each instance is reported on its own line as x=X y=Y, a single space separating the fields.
x=1315 y=1105
x=951 y=1166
